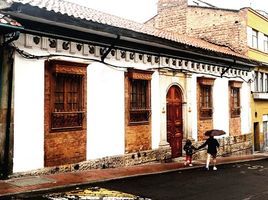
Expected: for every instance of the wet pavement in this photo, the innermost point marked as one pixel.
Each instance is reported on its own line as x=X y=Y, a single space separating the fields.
x=11 y=188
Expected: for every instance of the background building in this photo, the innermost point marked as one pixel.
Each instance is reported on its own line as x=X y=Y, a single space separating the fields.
x=243 y=31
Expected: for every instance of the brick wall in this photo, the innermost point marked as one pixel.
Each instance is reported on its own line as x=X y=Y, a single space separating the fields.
x=220 y=26
x=171 y=15
x=202 y=127
x=65 y=148
x=137 y=137
x=235 y=126
x=223 y=27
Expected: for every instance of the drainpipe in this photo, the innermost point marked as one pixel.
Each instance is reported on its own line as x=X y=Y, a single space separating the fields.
x=6 y=59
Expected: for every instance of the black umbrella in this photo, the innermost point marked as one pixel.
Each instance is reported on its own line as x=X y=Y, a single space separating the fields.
x=214 y=132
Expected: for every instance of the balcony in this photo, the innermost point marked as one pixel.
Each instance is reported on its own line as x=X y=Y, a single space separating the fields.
x=260 y=95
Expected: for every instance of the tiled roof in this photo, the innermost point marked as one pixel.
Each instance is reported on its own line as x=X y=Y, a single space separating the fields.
x=77 y=11
x=5 y=20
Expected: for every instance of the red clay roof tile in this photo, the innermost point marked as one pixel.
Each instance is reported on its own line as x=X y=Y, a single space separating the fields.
x=82 y=12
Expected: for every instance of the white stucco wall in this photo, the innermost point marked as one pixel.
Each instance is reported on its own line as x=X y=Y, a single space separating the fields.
x=245 y=108
x=105 y=109
x=193 y=100
x=156 y=110
x=28 y=114
x=221 y=105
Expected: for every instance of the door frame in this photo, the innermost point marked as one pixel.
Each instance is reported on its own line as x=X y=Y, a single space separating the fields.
x=182 y=112
x=256 y=132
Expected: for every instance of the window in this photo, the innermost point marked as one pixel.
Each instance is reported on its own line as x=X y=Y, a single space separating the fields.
x=265 y=83
x=206 y=103
x=139 y=97
x=139 y=102
x=254 y=38
x=265 y=44
x=256 y=82
x=67 y=104
x=235 y=102
x=261 y=82
x=235 y=98
x=67 y=108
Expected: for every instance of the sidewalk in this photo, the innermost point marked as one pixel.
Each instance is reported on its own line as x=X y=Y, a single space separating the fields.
x=64 y=180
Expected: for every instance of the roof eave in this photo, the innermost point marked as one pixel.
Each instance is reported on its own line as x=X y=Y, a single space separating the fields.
x=6 y=28
x=47 y=17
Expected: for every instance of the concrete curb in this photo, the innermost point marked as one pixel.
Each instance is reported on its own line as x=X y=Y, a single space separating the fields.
x=201 y=164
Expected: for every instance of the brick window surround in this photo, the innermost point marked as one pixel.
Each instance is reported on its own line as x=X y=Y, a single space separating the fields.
x=68 y=98
x=65 y=113
x=235 y=108
x=205 y=97
x=139 y=96
x=138 y=128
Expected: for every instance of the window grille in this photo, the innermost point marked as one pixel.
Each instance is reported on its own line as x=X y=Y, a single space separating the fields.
x=139 y=96
x=139 y=101
x=68 y=100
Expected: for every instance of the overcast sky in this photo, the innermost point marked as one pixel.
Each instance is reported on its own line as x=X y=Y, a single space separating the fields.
x=142 y=10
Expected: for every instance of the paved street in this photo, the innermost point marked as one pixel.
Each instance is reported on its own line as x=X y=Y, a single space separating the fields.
x=240 y=181
x=244 y=181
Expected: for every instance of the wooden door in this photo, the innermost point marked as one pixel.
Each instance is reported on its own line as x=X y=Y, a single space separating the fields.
x=256 y=136
x=265 y=134
x=174 y=120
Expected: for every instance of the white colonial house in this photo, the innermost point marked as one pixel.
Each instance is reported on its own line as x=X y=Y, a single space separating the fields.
x=91 y=90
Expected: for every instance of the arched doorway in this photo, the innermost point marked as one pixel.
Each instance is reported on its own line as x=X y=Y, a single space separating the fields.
x=174 y=120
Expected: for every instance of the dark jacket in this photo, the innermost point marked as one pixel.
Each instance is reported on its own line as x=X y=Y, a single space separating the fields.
x=212 y=144
x=188 y=148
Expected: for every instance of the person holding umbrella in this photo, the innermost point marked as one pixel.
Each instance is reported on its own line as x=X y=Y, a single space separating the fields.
x=212 y=144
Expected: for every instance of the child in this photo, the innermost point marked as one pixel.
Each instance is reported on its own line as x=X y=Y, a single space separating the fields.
x=212 y=144
x=189 y=150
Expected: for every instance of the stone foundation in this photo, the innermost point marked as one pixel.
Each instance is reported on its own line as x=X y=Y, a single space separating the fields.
x=162 y=154
x=229 y=146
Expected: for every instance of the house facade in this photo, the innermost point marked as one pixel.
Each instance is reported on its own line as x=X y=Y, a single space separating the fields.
x=243 y=31
x=92 y=90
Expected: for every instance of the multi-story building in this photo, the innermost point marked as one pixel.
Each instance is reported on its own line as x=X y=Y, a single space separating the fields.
x=257 y=48
x=244 y=31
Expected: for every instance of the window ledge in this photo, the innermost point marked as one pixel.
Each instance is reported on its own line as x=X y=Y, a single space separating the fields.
x=139 y=123
x=258 y=50
x=260 y=95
